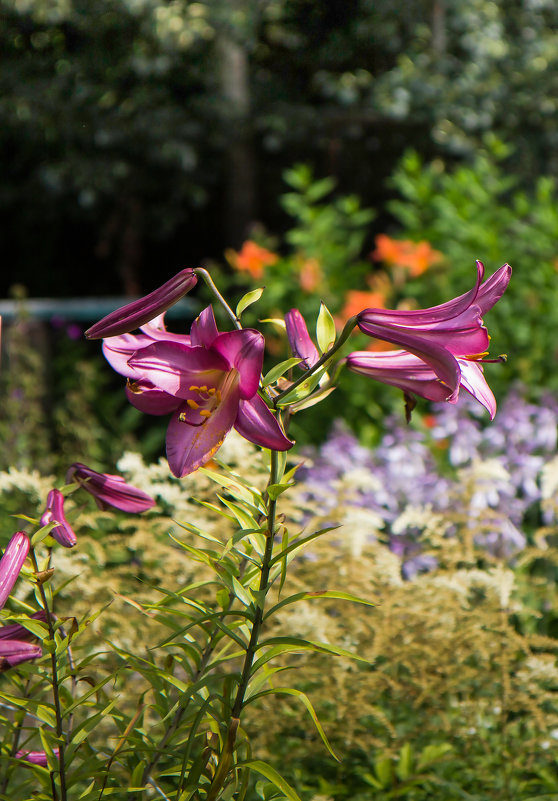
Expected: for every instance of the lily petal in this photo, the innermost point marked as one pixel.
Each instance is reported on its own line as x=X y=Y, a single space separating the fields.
x=174 y=367
x=204 y=328
x=256 y=422
x=400 y=369
x=109 y=490
x=151 y=400
x=473 y=380
x=190 y=446
x=11 y=563
x=244 y=350
x=14 y=652
x=54 y=513
x=300 y=342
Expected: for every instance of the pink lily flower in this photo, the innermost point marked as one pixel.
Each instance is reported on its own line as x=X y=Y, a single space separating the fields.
x=14 y=652
x=54 y=513
x=442 y=333
x=140 y=311
x=35 y=757
x=11 y=563
x=409 y=373
x=208 y=381
x=300 y=343
x=109 y=490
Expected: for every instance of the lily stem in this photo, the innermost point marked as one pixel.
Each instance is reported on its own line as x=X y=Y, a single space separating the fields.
x=215 y=292
x=225 y=757
x=55 y=691
x=343 y=337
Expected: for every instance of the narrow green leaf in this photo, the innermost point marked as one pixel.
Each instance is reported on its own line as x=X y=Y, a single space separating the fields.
x=279 y=369
x=383 y=768
x=298 y=543
x=325 y=329
x=308 y=704
x=405 y=764
x=309 y=645
x=308 y=596
x=248 y=299
x=276 y=321
x=243 y=518
x=312 y=400
x=271 y=774
x=305 y=388
x=42 y=534
x=242 y=593
x=275 y=490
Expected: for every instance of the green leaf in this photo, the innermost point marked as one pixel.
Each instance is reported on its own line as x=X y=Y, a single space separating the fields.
x=308 y=704
x=248 y=299
x=242 y=593
x=433 y=753
x=325 y=329
x=275 y=490
x=270 y=773
x=304 y=389
x=41 y=534
x=299 y=543
x=279 y=369
x=312 y=400
x=307 y=596
x=383 y=768
x=309 y=645
x=405 y=765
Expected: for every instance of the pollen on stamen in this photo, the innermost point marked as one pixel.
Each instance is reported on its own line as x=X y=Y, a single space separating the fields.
x=205 y=413
x=211 y=391
x=192 y=404
x=194 y=389
x=202 y=388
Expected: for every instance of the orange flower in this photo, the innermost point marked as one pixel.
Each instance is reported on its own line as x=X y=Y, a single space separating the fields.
x=252 y=258
x=416 y=257
x=310 y=274
x=356 y=301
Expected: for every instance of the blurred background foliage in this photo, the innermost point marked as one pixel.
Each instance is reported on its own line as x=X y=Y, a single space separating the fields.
x=138 y=133
x=355 y=152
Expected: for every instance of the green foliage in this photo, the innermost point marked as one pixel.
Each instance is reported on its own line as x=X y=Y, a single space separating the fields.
x=476 y=211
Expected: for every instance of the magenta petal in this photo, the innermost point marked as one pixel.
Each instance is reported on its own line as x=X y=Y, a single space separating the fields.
x=473 y=380
x=400 y=369
x=422 y=345
x=147 y=398
x=493 y=288
x=140 y=311
x=204 y=328
x=435 y=314
x=118 y=351
x=54 y=513
x=35 y=757
x=14 y=652
x=191 y=446
x=256 y=422
x=110 y=490
x=300 y=343
x=175 y=368
x=11 y=563
x=245 y=351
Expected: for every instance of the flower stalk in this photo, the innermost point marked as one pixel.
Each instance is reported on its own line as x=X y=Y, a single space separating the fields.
x=55 y=690
x=225 y=757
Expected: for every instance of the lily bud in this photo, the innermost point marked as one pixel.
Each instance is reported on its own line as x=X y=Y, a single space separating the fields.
x=141 y=311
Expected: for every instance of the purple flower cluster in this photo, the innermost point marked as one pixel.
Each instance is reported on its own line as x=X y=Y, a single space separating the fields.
x=452 y=463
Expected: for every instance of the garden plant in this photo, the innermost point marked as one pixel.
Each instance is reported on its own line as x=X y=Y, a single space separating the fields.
x=89 y=711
